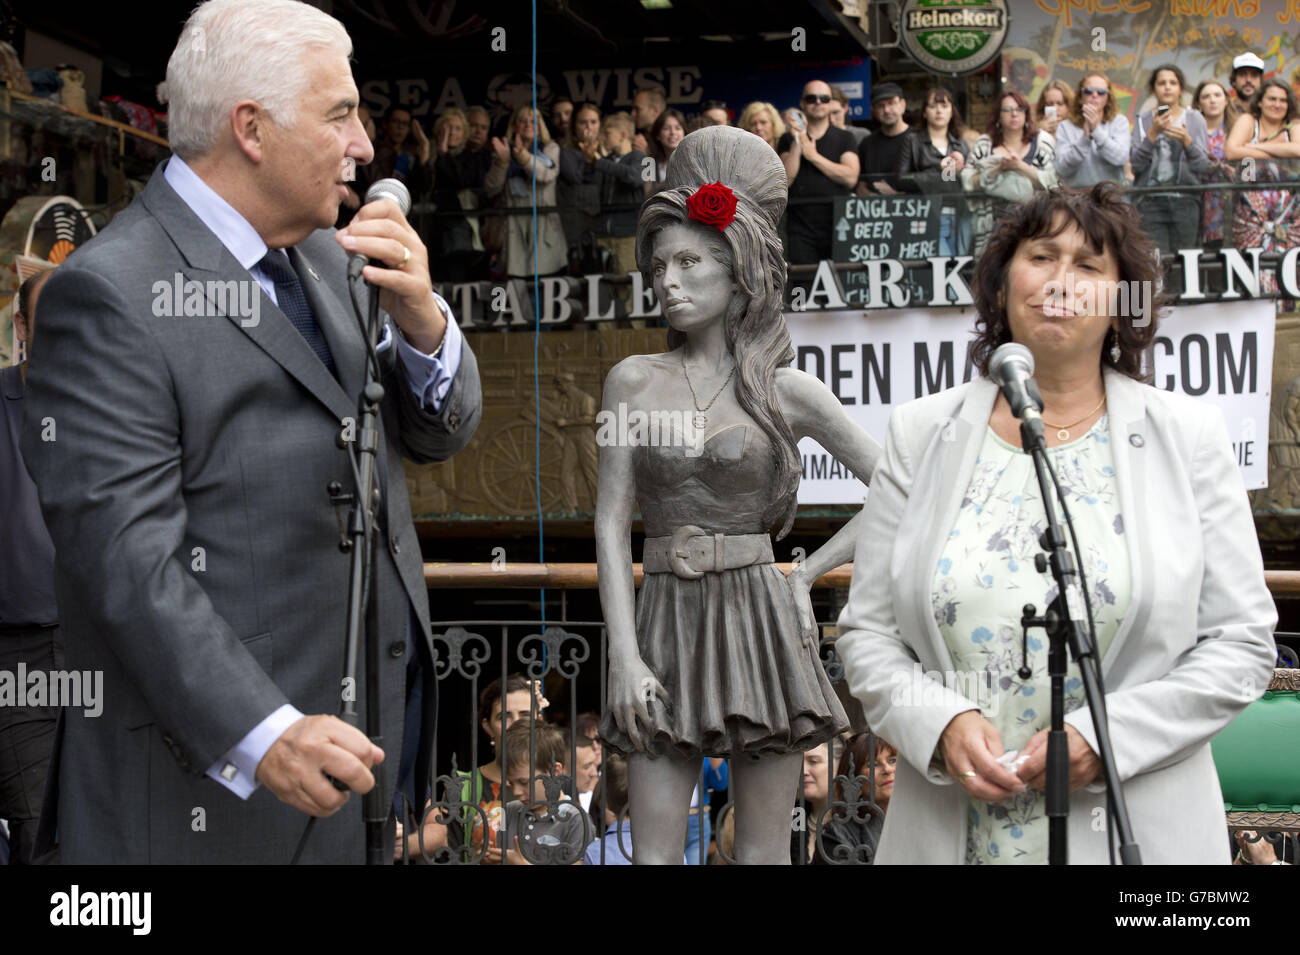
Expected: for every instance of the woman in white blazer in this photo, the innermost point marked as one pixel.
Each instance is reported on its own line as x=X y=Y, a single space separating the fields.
x=930 y=637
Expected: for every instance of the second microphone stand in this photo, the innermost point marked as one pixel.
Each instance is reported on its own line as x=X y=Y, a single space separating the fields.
x=1064 y=629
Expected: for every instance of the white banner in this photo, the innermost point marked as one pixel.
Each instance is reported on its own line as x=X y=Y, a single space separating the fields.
x=872 y=360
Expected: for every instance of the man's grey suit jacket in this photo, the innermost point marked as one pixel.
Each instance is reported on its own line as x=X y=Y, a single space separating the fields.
x=183 y=465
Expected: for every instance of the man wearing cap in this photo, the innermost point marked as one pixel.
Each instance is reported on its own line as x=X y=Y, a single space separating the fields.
x=1247 y=76
x=879 y=154
x=820 y=162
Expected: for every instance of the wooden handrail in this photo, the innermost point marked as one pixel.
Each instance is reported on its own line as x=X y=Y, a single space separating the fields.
x=122 y=128
x=509 y=575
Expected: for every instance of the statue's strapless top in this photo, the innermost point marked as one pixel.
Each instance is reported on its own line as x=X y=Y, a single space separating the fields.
x=726 y=488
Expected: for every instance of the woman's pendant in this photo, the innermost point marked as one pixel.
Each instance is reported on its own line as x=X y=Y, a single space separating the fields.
x=700 y=421
x=1063 y=434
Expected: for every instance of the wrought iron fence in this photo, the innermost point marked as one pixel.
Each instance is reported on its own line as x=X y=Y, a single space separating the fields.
x=446 y=830
x=471 y=653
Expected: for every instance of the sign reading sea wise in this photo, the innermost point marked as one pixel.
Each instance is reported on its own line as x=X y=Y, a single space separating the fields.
x=952 y=37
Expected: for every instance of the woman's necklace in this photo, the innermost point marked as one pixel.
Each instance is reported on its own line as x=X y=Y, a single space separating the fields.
x=1063 y=430
x=701 y=420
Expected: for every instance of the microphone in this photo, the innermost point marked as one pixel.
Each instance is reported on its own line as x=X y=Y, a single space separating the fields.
x=1012 y=367
x=393 y=189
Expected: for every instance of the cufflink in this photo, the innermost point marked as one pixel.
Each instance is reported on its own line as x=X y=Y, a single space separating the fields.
x=229 y=772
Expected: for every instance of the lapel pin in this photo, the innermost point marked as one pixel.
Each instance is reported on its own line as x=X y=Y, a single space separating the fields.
x=312 y=273
x=1136 y=440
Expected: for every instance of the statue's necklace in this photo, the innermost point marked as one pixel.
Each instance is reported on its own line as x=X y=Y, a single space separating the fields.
x=701 y=420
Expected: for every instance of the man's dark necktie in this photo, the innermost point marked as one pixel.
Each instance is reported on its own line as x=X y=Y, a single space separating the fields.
x=293 y=302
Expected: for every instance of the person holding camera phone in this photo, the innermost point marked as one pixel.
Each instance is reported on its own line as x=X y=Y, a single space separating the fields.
x=1054 y=104
x=1170 y=147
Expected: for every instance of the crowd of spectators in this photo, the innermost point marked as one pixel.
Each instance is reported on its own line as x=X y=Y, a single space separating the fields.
x=553 y=794
x=586 y=172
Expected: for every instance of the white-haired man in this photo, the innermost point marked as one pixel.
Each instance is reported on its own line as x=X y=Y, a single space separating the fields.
x=189 y=411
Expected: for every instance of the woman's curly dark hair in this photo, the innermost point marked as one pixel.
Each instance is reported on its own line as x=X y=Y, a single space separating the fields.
x=1107 y=222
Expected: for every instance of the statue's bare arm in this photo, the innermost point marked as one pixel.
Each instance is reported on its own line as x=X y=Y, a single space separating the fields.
x=631 y=684
x=814 y=412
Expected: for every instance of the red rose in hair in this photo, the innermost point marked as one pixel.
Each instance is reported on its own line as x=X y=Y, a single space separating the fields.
x=712 y=204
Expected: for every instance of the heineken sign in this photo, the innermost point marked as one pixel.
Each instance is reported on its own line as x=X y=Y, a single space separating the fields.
x=952 y=37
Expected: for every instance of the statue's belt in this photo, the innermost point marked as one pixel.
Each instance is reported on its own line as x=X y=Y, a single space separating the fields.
x=691 y=552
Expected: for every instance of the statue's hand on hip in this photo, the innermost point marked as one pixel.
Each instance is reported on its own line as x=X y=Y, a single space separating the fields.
x=801 y=593
x=633 y=689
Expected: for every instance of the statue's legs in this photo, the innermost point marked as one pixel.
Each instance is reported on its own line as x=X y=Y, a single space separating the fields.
x=764 y=792
x=659 y=794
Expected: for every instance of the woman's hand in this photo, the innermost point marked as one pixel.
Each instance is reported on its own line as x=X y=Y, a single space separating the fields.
x=801 y=592
x=421 y=141
x=1091 y=117
x=632 y=688
x=970 y=747
x=502 y=150
x=958 y=161
x=1159 y=124
x=520 y=150
x=444 y=140
x=1084 y=764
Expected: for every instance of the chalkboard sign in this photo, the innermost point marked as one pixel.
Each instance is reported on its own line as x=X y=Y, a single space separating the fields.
x=885 y=227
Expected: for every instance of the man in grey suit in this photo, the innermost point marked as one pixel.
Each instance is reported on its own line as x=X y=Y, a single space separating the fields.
x=190 y=399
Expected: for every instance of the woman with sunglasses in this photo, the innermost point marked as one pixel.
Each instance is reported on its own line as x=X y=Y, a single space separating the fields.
x=1094 y=143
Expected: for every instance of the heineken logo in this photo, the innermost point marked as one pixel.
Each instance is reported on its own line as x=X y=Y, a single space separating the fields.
x=949 y=18
x=953 y=37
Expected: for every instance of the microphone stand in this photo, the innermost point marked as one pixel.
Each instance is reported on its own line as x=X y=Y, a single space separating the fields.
x=362 y=596
x=360 y=541
x=1063 y=627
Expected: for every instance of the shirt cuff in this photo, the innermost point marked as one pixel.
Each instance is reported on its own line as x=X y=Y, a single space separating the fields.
x=430 y=375
x=237 y=769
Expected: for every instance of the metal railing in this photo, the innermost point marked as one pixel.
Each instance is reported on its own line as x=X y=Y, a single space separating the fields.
x=556 y=653
x=464 y=829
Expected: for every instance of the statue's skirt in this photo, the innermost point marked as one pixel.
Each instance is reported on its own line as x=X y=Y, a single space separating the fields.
x=739 y=678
